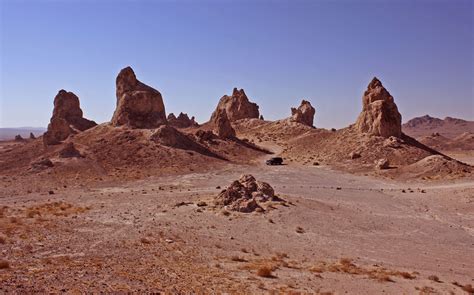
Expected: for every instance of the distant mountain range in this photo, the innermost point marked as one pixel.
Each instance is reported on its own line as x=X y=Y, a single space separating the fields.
x=10 y=133
x=447 y=127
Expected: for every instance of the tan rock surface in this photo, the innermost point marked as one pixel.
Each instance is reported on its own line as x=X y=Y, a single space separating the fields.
x=67 y=118
x=304 y=114
x=138 y=105
x=379 y=114
x=237 y=106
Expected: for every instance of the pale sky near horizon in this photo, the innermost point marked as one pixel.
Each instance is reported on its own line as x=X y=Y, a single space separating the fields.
x=280 y=52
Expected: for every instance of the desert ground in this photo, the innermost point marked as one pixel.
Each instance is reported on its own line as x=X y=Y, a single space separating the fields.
x=336 y=233
x=149 y=203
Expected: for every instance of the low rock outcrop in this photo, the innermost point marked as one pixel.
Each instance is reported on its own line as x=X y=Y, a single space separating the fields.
x=237 y=106
x=138 y=105
x=32 y=136
x=182 y=121
x=67 y=118
x=69 y=151
x=382 y=164
x=222 y=125
x=246 y=195
x=379 y=116
x=304 y=114
x=18 y=137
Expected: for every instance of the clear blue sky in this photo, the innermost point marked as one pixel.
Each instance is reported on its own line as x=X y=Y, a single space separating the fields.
x=194 y=52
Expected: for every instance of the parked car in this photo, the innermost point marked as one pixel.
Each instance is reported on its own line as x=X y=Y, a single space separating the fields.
x=274 y=161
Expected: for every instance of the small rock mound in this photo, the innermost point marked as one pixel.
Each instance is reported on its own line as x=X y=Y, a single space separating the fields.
x=382 y=164
x=67 y=118
x=304 y=114
x=41 y=164
x=138 y=105
x=379 y=116
x=182 y=121
x=169 y=136
x=32 y=136
x=221 y=123
x=18 y=137
x=69 y=151
x=246 y=195
x=237 y=106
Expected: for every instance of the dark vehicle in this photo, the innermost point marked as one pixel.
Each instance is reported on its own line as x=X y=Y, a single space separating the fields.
x=274 y=161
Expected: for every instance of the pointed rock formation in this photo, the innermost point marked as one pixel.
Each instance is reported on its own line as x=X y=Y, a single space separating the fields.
x=138 y=105
x=379 y=114
x=237 y=106
x=67 y=118
x=222 y=126
x=32 y=136
x=182 y=121
x=304 y=114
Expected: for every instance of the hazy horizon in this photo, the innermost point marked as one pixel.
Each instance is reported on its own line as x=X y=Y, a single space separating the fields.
x=279 y=52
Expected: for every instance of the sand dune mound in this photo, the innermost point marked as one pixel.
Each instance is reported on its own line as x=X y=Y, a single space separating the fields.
x=436 y=167
x=246 y=195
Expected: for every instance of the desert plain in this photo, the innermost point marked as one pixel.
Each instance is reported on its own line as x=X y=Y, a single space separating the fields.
x=155 y=203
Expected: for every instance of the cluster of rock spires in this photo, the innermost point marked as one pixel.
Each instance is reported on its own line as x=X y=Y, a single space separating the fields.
x=304 y=114
x=141 y=106
x=182 y=121
x=379 y=116
x=67 y=118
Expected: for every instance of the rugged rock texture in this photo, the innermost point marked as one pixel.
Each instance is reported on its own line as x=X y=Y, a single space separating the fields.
x=169 y=136
x=237 y=106
x=138 y=105
x=304 y=114
x=32 y=136
x=382 y=164
x=379 y=114
x=67 y=118
x=69 y=151
x=18 y=138
x=182 y=121
x=221 y=123
x=246 y=195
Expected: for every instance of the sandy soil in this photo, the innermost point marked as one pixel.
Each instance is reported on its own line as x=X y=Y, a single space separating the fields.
x=340 y=233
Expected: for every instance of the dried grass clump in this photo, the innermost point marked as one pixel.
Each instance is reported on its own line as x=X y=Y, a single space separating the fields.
x=265 y=272
x=345 y=265
x=238 y=259
x=4 y=264
x=434 y=278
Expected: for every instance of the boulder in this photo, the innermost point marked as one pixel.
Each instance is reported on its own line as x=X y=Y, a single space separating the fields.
x=205 y=135
x=237 y=106
x=138 y=105
x=246 y=195
x=304 y=114
x=67 y=118
x=379 y=116
x=222 y=125
x=354 y=155
x=382 y=164
x=69 y=151
x=182 y=121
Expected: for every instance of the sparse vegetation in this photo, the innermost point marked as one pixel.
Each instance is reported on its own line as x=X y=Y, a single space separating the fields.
x=265 y=272
x=4 y=264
